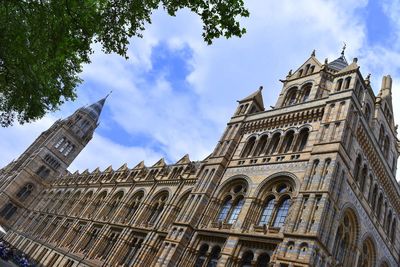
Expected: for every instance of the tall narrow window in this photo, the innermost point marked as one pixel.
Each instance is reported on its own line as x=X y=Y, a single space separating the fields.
x=367 y=113
x=306 y=93
x=247 y=259
x=214 y=256
x=287 y=142
x=386 y=146
x=347 y=83
x=225 y=209
x=249 y=147
x=339 y=85
x=357 y=168
x=58 y=144
x=303 y=138
x=267 y=212
x=202 y=256
x=282 y=213
x=24 y=192
x=236 y=210
x=274 y=143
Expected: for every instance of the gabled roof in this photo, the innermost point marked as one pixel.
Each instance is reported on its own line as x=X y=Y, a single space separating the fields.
x=160 y=163
x=184 y=160
x=139 y=166
x=124 y=167
x=109 y=169
x=256 y=97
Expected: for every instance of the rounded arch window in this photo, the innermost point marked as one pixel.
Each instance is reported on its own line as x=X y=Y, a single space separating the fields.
x=263 y=260
x=157 y=207
x=302 y=140
x=232 y=203
x=25 y=192
x=247 y=259
x=275 y=208
x=291 y=97
x=345 y=239
x=306 y=92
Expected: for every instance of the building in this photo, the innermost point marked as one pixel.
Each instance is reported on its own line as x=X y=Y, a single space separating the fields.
x=309 y=182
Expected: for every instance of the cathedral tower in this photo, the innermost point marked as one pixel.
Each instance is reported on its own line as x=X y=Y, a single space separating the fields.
x=45 y=160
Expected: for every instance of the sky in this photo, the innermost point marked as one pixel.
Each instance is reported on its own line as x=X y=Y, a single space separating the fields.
x=175 y=94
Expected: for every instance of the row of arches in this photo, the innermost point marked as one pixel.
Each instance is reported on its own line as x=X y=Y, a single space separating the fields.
x=370 y=189
x=118 y=207
x=276 y=143
x=343 y=84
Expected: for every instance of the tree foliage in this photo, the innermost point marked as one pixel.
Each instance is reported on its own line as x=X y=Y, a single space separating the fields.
x=44 y=43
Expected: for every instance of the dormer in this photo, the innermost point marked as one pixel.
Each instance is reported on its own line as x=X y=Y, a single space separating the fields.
x=252 y=104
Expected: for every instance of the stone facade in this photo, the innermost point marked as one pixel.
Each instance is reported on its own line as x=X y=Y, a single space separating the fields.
x=309 y=182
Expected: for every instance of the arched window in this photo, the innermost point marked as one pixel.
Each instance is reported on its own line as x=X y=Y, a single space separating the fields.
x=302 y=141
x=381 y=135
x=69 y=149
x=263 y=260
x=347 y=83
x=388 y=222
x=274 y=143
x=232 y=204
x=8 y=211
x=300 y=73
x=157 y=207
x=303 y=251
x=386 y=146
x=282 y=213
x=214 y=256
x=133 y=205
x=287 y=142
x=236 y=208
x=58 y=144
x=362 y=179
x=202 y=256
x=306 y=93
x=367 y=254
x=261 y=147
x=344 y=241
x=247 y=259
x=43 y=172
x=339 y=85
x=112 y=207
x=291 y=97
x=374 y=197
x=357 y=168
x=249 y=147
x=379 y=206
x=226 y=207
x=25 y=191
x=367 y=113
x=306 y=69
x=393 y=231
x=267 y=212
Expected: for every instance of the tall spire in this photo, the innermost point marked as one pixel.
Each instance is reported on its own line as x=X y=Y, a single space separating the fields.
x=94 y=110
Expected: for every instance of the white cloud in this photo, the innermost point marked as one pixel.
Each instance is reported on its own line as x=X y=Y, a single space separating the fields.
x=280 y=36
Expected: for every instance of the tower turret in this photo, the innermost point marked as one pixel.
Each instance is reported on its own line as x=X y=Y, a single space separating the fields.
x=46 y=159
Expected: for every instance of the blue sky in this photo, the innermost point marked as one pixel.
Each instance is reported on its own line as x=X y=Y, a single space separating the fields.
x=175 y=93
